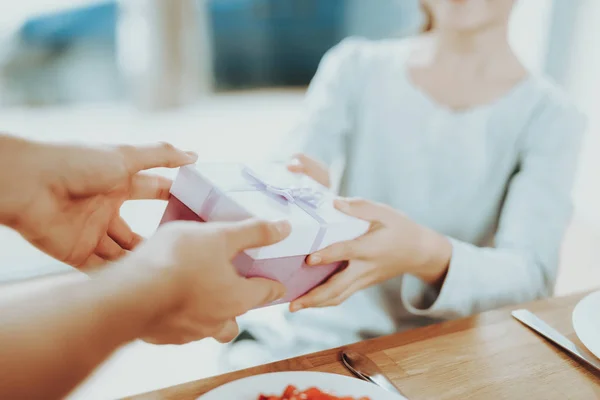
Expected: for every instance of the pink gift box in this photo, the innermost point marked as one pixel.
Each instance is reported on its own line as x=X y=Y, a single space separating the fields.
x=234 y=192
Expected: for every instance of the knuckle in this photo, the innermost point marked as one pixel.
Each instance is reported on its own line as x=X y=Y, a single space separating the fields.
x=343 y=297
x=337 y=292
x=234 y=328
x=125 y=149
x=130 y=156
x=324 y=257
x=335 y=302
x=371 y=279
x=358 y=202
x=347 y=251
x=224 y=338
x=129 y=243
x=312 y=301
x=132 y=242
x=73 y=258
x=265 y=231
x=127 y=153
x=118 y=254
x=167 y=147
x=220 y=331
x=214 y=329
x=169 y=155
x=77 y=263
x=315 y=296
x=163 y=193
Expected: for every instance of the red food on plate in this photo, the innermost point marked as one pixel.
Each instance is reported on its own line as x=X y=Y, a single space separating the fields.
x=292 y=393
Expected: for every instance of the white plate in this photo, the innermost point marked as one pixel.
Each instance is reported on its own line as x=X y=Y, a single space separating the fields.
x=275 y=383
x=586 y=321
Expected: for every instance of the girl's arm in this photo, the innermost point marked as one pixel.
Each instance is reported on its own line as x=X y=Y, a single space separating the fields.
x=327 y=116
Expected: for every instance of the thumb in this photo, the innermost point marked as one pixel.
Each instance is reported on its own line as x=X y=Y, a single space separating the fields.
x=256 y=292
x=252 y=233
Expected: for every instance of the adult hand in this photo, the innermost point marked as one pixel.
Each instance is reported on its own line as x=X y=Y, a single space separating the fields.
x=303 y=164
x=393 y=246
x=207 y=292
x=65 y=199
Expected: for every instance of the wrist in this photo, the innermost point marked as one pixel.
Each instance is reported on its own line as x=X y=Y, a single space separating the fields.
x=437 y=250
x=18 y=176
x=153 y=292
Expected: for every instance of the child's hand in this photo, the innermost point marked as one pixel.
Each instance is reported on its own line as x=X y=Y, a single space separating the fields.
x=303 y=164
x=395 y=245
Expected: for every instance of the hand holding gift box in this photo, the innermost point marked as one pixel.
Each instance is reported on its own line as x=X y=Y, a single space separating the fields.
x=234 y=192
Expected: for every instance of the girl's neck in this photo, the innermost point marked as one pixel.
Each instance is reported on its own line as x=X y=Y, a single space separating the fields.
x=484 y=52
x=487 y=43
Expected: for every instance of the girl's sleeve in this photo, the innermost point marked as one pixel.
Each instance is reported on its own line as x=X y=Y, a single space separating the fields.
x=329 y=105
x=523 y=265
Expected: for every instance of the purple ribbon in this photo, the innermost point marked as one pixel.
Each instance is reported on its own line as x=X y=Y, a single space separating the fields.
x=306 y=198
x=297 y=195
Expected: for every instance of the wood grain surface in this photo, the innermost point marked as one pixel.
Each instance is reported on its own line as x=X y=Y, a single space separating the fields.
x=489 y=356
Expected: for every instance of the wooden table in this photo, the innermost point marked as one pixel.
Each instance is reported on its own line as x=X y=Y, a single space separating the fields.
x=489 y=356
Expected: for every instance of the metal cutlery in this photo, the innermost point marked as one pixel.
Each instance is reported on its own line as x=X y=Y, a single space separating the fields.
x=364 y=368
x=530 y=320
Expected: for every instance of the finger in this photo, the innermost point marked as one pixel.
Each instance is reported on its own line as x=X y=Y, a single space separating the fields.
x=92 y=261
x=342 y=251
x=256 y=292
x=296 y=166
x=306 y=165
x=365 y=210
x=139 y=158
x=121 y=233
x=253 y=233
x=150 y=187
x=331 y=289
x=228 y=332
x=109 y=250
x=355 y=280
x=336 y=301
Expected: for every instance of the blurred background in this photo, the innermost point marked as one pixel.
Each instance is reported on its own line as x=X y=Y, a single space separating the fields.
x=226 y=78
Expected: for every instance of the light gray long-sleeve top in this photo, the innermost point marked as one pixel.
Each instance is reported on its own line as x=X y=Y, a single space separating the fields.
x=501 y=171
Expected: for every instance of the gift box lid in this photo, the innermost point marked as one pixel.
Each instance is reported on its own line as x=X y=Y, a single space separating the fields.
x=233 y=192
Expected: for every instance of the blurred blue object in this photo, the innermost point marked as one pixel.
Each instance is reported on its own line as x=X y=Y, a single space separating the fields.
x=96 y=21
x=255 y=42
x=272 y=42
x=382 y=18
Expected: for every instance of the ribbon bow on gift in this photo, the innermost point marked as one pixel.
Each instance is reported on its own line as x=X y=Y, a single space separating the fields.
x=307 y=198
x=305 y=195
